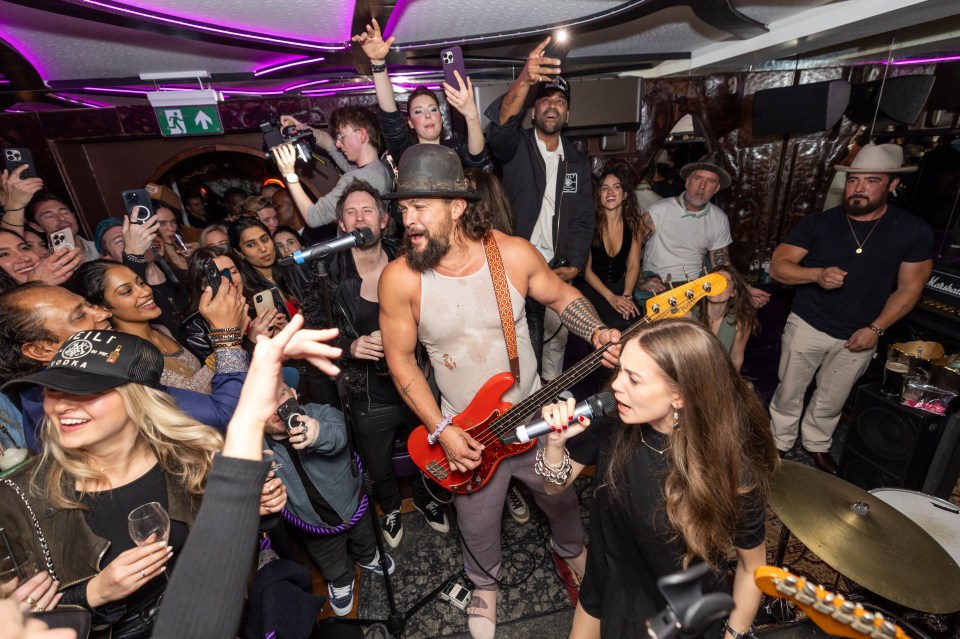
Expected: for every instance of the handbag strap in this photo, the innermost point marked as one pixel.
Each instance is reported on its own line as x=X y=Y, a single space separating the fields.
x=36 y=524
x=501 y=289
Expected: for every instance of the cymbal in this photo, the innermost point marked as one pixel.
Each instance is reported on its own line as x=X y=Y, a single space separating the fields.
x=864 y=538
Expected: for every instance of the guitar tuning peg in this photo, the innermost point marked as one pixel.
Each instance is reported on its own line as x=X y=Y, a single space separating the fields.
x=689 y=294
x=888 y=628
x=809 y=588
x=793 y=580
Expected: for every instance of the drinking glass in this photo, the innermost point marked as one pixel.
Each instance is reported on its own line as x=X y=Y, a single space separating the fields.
x=15 y=571
x=148 y=524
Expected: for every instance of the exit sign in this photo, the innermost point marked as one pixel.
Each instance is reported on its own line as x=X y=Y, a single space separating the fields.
x=189 y=120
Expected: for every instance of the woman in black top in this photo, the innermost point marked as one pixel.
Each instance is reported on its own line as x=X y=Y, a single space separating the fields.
x=613 y=264
x=682 y=475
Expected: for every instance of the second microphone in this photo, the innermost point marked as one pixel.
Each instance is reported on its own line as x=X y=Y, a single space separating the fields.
x=592 y=407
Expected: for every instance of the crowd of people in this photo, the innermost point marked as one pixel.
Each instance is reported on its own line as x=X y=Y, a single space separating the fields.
x=123 y=357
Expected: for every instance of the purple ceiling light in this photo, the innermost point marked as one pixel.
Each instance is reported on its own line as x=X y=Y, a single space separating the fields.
x=285 y=65
x=907 y=61
x=86 y=103
x=116 y=90
x=341 y=89
x=213 y=28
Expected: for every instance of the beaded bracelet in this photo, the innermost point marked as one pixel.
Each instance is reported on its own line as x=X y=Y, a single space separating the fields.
x=229 y=329
x=435 y=435
x=555 y=474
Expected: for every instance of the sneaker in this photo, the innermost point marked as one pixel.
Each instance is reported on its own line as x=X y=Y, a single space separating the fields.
x=341 y=599
x=517 y=505
x=392 y=528
x=377 y=568
x=435 y=517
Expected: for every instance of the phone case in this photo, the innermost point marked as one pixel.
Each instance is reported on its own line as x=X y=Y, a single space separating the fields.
x=14 y=158
x=263 y=301
x=452 y=60
x=136 y=202
x=60 y=239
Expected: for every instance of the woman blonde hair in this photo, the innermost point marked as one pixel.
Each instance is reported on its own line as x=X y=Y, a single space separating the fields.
x=183 y=446
x=721 y=449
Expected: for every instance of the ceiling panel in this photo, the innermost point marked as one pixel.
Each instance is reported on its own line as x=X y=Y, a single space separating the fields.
x=317 y=20
x=418 y=20
x=65 y=48
x=768 y=11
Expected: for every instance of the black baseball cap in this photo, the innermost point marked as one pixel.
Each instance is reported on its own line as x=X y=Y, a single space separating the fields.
x=92 y=362
x=555 y=84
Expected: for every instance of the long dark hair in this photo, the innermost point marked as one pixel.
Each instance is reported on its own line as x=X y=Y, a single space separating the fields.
x=721 y=449
x=90 y=281
x=740 y=305
x=493 y=199
x=630 y=210
x=6 y=279
x=253 y=281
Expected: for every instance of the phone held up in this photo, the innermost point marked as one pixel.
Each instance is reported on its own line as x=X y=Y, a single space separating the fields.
x=14 y=158
x=138 y=206
x=288 y=412
x=452 y=60
x=62 y=239
x=212 y=275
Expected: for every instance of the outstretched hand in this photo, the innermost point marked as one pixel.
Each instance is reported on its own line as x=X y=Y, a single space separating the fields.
x=539 y=68
x=373 y=44
x=259 y=395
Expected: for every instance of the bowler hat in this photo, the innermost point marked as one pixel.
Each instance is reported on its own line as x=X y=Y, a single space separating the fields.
x=431 y=170
x=709 y=162
x=92 y=362
x=878 y=158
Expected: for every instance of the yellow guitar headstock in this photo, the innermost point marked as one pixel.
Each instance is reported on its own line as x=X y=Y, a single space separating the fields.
x=831 y=612
x=678 y=301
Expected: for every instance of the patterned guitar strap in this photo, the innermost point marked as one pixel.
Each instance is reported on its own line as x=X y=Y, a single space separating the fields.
x=502 y=290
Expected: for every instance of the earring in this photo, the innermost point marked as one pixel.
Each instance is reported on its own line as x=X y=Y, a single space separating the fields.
x=676 y=419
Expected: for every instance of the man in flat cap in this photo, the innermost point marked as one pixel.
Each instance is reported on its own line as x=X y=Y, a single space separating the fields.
x=843 y=263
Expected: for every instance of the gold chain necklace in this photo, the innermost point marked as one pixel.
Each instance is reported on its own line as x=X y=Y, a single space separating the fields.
x=129 y=459
x=656 y=450
x=860 y=244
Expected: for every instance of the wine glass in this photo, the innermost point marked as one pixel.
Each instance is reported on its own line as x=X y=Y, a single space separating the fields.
x=148 y=524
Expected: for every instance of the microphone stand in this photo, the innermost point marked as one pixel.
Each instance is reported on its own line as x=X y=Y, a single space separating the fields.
x=396 y=620
x=689 y=611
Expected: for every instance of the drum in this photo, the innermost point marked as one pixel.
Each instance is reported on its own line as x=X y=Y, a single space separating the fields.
x=803 y=629
x=940 y=519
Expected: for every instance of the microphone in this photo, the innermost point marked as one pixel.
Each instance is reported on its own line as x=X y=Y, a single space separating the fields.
x=357 y=237
x=593 y=407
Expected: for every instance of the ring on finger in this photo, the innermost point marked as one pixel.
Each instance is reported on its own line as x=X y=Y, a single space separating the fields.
x=30 y=601
x=143 y=574
x=39 y=608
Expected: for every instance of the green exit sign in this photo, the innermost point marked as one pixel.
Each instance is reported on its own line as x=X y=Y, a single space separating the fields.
x=189 y=120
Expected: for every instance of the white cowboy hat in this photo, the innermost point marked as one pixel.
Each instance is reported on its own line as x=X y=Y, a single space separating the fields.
x=877 y=158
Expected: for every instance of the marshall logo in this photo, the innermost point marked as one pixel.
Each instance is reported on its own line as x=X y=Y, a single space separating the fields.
x=570 y=183
x=937 y=283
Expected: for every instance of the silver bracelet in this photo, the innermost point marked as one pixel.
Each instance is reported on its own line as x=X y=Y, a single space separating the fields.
x=555 y=474
x=435 y=435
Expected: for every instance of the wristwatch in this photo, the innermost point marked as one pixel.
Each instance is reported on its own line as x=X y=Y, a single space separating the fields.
x=291 y=178
x=876 y=329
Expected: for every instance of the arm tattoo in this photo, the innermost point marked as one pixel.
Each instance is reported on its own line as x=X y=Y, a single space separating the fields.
x=718 y=257
x=506 y=105
x=648 y=228
x=581 y=318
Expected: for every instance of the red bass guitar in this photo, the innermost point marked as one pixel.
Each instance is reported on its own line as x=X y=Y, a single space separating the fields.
x=488 y=417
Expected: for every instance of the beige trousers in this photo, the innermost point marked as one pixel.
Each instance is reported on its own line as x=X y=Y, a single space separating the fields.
x=804 y=351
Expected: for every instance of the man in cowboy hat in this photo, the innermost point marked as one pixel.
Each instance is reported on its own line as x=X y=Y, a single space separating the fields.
x=548 y=183
x=687 y=234
x=843 y=263
x=445 y=292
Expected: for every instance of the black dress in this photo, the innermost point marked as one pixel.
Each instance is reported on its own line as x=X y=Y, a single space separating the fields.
x=611 y=271
x=630 y=548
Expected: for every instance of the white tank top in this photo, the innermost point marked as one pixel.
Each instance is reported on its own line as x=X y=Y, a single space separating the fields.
x=461 y=330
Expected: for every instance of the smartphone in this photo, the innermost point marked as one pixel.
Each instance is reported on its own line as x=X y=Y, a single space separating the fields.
x=61 y=239
x=14 y=158
x=263 y=301
x=137 y=204
x=452 y=60
x=288 y=413
x=558 y=48
x=179 y=243
x=212 y=275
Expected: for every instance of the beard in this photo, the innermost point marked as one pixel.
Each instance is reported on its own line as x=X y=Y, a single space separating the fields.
x=433 y=249
x=549 y=128
x=860 y=205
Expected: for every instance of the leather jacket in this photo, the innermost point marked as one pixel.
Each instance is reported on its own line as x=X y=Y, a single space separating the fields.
x=74 y=550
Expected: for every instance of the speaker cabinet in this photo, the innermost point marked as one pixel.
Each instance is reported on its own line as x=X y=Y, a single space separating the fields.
x=804 y=108
x=894 y=446
x=900 y=99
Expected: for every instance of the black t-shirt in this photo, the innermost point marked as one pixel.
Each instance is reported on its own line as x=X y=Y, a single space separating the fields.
x=320 y=505
x=107 y=518
x=894 y=238
x=380 y=388
x=632 y=543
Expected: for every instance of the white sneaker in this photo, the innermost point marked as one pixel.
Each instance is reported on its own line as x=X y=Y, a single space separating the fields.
x=341 y=599
x=517 y=505
x=392 y=528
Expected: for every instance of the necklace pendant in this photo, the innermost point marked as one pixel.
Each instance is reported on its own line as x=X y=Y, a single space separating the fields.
x=859 y=251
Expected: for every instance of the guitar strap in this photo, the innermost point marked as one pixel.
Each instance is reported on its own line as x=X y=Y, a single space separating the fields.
x=502 y=290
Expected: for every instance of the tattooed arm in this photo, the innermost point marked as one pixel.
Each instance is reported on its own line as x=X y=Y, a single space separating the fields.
x=537 y=68
x=718 y=257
